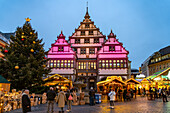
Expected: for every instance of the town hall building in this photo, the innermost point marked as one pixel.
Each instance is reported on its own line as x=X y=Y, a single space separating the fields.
x=88 y=55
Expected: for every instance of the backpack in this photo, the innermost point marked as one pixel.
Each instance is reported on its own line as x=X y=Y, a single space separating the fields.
x=70 y=97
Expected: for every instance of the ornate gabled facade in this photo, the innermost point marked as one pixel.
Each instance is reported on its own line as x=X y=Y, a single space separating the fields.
x=95 y=57
x=62 y=58
x=112 y=58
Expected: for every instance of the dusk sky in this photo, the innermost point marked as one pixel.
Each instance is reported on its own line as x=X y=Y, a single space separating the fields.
x=143 y=26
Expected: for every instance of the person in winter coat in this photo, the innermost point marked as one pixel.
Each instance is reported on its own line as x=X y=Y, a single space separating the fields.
x=164 y=95
x=112 y=98
x=26 y=103
x=50 y=98
x=69 y=98
x=91 y=96
x=61 y=100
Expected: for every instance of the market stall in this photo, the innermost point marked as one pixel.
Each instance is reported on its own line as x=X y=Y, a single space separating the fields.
x=58 y=80
x=4 y=84
x=111 y=82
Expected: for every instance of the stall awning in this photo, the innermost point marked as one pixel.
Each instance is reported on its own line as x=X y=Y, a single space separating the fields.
x=159 y=73
x=3 y=80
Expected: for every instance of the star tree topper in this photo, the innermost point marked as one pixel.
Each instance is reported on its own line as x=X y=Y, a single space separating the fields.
x=27 y=19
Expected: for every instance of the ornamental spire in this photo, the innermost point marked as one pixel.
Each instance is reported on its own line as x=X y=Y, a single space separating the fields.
x=87 y=14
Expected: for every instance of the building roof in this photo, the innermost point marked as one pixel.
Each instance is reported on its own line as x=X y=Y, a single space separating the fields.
x=165 y=50
x=3 y=80
x=6 y=36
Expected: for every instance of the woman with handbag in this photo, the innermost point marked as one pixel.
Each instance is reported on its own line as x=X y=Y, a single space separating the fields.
x=112 y=98
x=69 y=98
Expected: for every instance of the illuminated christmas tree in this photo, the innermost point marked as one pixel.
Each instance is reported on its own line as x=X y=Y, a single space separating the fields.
x=24 y=63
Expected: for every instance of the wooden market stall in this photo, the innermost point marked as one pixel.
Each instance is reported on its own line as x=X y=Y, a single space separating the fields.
x=111 y=82
x=4 y=84
x=58 y=80
x=132 y=83
x=145 y=84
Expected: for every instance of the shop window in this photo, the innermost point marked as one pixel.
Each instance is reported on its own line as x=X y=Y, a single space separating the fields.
x=82 y=32
x=94 y=65
x=81 y=65
x=84 y=65
x=77 y=41
x=89 y=65
x=90 y=32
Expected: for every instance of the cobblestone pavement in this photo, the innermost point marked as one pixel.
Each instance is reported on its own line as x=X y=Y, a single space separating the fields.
x=139 y=105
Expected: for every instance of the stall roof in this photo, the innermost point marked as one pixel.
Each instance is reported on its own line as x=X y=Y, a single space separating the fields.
x=160 y=72
x=3 y=80
x=132 y=80
x=110 y=81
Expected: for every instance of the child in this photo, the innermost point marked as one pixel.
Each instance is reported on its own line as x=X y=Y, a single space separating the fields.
x=112 y=98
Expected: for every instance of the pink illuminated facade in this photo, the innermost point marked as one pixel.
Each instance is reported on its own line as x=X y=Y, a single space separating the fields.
x=62 y=58
x=92 y=56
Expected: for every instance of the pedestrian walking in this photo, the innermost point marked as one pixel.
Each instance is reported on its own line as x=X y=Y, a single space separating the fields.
x=61 y=100
x=160 y=92
x=92 y=95
x=69 y=98
x=50 y=98
x=164 y=95
x=26 y=103
x=112 y=98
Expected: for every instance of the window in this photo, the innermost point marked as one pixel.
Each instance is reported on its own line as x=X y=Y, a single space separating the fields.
x=111 y=48
x=107 y=64
x=96 y=40
x=68 y=63
x=58 y=63
x=61 y=63
x=75 y=49
x=82 y=32
x=90 y=32
x=72 y=63
x=86 y=40
x=54 y=63
x=103 y=63
x=65 y=63
x=92 y=50
x=87 y=26
x=83 y=50
x=110 y=63
x=60 y=48
x=51 y=64
x=94 y=65
x=77 y=41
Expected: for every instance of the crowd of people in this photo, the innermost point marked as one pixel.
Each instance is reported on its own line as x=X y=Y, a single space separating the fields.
x=116 y=94
x=60 y=97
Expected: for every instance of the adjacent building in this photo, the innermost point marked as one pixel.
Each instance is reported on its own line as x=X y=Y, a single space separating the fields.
x=88 y=56
x=4 y=40
x=159 y=60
